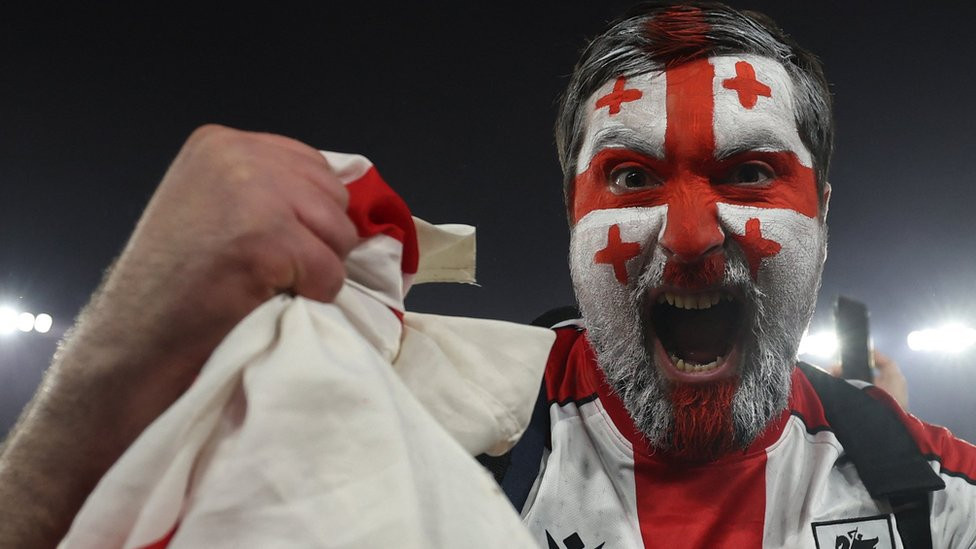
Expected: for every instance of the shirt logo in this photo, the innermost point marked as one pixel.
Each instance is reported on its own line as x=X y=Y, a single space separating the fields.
x=572 y=542
x=858 y=533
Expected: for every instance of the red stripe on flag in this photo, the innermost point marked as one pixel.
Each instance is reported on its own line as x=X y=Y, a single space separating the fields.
x=376 y=209
x=163 y=542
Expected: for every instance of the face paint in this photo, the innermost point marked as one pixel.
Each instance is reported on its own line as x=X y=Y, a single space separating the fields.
x=697 y=245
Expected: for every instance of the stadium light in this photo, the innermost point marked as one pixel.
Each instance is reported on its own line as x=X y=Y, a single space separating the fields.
x=42 y=323
x=951 y=338
x=12 y=321
x=820 y=344
x=8 y=320
x=25 y=322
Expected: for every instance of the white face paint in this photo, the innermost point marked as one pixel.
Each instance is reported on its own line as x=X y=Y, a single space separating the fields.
x=697 y=246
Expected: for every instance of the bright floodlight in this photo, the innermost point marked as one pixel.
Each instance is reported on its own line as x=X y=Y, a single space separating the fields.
x=8 y=320
x=821 y=344
x=25 y=322
x=42 y=323
x=952 y=338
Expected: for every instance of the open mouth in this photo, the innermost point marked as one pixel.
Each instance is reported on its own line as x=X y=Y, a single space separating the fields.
x=697 y=333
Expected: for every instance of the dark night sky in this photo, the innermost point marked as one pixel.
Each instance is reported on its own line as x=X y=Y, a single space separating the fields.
x=455 y=106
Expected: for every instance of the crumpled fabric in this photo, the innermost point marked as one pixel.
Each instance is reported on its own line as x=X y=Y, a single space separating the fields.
x=348 y=424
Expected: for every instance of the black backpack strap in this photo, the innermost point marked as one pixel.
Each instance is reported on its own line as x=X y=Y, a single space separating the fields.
x=912 y=513
x=886 y=457
x=516 y=470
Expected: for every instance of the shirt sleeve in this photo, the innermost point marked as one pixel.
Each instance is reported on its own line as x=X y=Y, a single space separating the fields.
x=954 y=508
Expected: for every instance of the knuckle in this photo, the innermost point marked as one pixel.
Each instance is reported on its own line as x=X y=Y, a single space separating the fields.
x=207 y=132
x=348 y=237
x=263 y=259
x=342 y=194
x=216 y=139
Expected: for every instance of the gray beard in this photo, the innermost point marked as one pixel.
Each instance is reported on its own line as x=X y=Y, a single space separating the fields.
x=617 y=332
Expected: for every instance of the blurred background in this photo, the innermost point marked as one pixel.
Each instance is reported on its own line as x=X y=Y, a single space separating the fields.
x=454 y=104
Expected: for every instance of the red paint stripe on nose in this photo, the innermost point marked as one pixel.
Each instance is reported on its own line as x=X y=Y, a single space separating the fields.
x=692 y=232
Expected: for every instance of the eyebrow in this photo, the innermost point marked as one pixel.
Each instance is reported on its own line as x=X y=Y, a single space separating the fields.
x=628 y=139
x=764 y=140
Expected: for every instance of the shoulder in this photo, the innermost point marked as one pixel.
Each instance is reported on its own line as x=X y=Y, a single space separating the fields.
x=956 y=457
x=837 y=404
x=895 y=453
x=953 y=508
x=570 y=371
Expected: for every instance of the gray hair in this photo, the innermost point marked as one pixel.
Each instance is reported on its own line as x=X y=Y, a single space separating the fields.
x=661 y=34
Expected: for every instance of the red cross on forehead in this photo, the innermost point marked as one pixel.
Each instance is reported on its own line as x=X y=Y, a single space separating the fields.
x=689 y=152
x=617 y=253
x=617 y=96
x=745 y=83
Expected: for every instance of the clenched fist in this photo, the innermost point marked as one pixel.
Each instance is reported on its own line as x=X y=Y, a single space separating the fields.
x=237 y=218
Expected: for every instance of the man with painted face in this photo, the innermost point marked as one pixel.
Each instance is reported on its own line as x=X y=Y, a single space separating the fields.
x=697 y=211
x=695 y=142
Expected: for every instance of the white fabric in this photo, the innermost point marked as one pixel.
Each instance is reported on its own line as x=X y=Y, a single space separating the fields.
x=298 y=433
x=336 y=425
x=445 y=250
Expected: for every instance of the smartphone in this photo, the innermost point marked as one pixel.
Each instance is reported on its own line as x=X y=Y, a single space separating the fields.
x=854 y=338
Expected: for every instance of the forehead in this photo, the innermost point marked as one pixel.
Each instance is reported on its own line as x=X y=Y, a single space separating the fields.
x=729 y=103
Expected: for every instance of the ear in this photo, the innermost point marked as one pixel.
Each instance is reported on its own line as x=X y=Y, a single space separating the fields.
x=825 y=200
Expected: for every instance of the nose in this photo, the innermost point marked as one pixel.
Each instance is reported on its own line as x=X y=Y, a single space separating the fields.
x=692 y=232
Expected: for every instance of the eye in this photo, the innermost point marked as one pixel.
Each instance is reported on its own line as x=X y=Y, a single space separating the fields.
x=629 y=178
x=754 y=172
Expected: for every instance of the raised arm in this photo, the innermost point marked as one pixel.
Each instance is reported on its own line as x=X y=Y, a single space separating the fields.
x=237 y=218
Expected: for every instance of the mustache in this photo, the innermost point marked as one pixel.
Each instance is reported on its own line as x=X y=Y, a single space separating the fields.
x=728 y=270
x=698 y=275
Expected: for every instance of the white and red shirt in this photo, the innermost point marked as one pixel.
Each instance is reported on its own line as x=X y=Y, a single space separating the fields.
x=601 y=486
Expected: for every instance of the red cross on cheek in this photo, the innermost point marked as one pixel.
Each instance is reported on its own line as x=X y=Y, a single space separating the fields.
x=755 y=247
x=617 y=96
x=617 y=253
x=746 y=85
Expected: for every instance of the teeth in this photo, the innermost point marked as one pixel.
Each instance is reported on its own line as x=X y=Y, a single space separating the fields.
x=694 y=368
x=693 y=301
